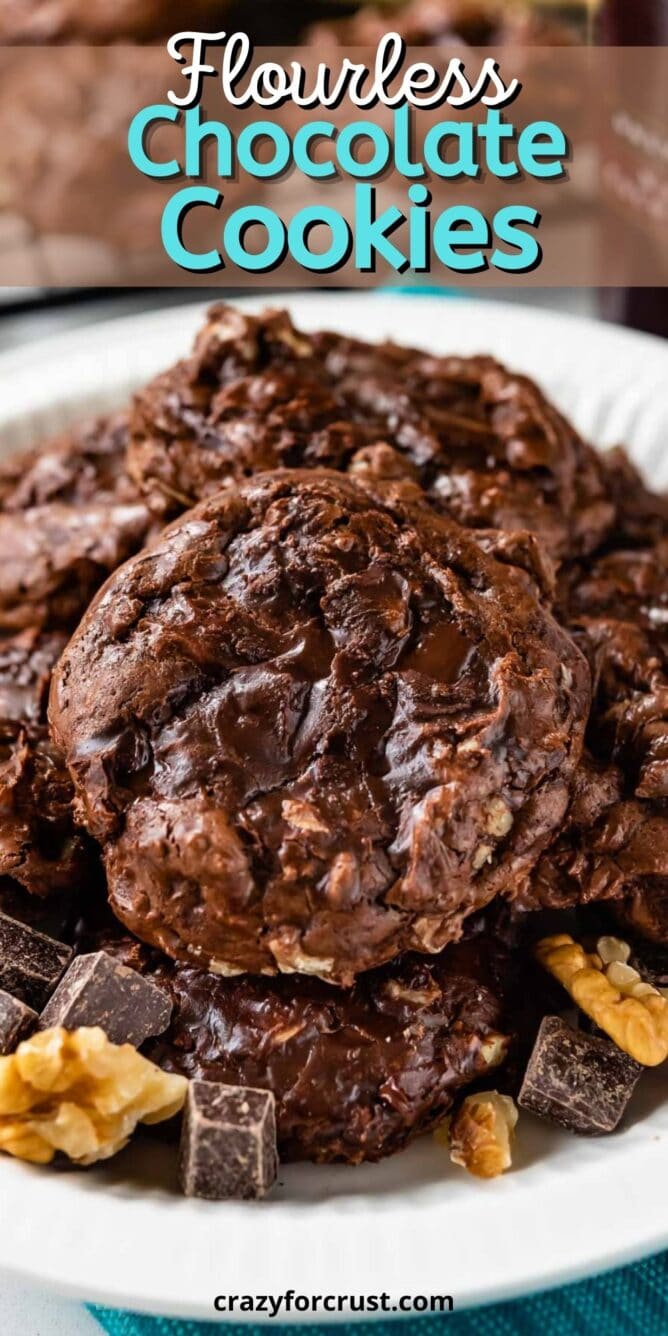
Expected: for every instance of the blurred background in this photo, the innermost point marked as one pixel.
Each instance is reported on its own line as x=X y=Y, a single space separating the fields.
x=36 y=236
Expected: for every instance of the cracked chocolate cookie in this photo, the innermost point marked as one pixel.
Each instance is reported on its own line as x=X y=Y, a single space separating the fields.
x=311 y=731
x=484 y=443
x=612 y=846
x=356 y=1074
x=40 y=846
x=435 y=22
x=644 y=908
x=68 y=516
x=615 y=841
x=42 y=21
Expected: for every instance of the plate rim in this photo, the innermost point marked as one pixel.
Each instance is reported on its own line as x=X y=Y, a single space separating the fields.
x=86 y=344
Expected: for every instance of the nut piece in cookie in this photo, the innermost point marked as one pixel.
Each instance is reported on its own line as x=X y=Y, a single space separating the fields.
x=97 y=990
x=30 y=962
x=484 y=443
x=357 y=1073
x=228 y=1142
x=580 y=1081
x=78 y=1094
x=311 y=730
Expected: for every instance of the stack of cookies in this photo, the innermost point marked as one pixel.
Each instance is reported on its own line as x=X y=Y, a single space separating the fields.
x=377 y=677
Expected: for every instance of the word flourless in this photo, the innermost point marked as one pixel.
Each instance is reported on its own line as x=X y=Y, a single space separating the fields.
x=271 y=84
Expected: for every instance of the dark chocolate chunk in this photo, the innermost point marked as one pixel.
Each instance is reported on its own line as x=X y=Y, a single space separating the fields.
x=97 y=990
x=16 y=1022
x=228 y=1142
x=30 y=963
x=580 y=1081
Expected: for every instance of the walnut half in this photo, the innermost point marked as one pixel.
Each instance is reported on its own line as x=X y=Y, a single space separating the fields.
x=634 y=1015
x=75 y=1092
x=481 y=1134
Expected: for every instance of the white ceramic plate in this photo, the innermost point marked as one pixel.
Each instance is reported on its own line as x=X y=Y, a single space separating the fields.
x=414 y=1225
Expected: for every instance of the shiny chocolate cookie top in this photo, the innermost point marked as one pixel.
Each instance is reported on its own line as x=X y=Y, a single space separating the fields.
x=311 y=730
x=485 y=444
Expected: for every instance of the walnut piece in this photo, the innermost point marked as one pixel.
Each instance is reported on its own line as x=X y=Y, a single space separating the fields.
x=635 y=1020
x=623 y=977
x=499 y=818
x=613 y=948
x=481 y=1134
x=75 y=1092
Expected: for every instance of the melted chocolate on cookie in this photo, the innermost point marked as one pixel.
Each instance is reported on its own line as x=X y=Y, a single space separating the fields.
x=356 y=1074
x=312 y=731
x=484 y=443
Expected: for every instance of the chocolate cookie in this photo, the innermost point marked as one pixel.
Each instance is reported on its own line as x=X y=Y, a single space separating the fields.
x=68 y=516
x=615 y=841
x=356 y=1074
x=617 y=609
x=644 y=908
x=40 y=846
x=312 y=731
x=611 y=846
x=484 y=443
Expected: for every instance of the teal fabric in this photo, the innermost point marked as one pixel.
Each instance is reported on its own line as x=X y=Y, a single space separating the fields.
x=618 y=1303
